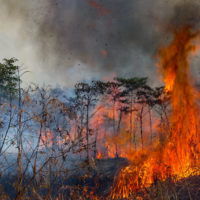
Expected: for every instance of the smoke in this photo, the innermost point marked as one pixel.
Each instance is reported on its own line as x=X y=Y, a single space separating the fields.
x=187 y=13
x=78 y=39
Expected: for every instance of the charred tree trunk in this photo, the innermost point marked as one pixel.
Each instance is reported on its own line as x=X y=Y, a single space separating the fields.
x=95 y=144
x=150 y=124
x=87 y=131
x=114 y=131
x=141 y=126
x=19 y=195
x=119 y=122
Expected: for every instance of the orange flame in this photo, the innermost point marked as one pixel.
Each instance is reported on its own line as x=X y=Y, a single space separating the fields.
x=178 y=153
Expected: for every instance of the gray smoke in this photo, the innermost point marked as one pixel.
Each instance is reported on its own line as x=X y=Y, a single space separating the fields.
x=187 y=13
x=73 y=39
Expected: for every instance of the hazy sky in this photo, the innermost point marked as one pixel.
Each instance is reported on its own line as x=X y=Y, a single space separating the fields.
x=65 y=41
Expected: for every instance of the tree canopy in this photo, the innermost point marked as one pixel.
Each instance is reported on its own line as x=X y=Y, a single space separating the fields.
x=9 y=78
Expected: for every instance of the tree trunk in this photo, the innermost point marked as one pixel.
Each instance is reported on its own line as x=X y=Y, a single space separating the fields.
x=19 y=195
x=19 y=161
x=150 y=124
x=87 y=131
x=141 y=126
x=95 y=144
x=114 y=131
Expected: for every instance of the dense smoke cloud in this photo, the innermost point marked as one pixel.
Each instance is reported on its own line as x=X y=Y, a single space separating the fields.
x=186 y=13
x=62 y=37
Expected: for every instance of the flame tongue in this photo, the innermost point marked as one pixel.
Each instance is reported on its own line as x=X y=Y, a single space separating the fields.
x=184 y=119
x=174 y=65
x=179 y=153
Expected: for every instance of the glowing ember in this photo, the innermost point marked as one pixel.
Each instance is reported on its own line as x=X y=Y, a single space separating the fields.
x=104 y=53
x=177 y=152
x=102 y=10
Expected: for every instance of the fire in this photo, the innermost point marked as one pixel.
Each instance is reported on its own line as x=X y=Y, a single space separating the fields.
x=177 y=154
x=47 y=139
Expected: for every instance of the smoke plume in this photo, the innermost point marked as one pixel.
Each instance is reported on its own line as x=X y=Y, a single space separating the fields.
x=79 y=39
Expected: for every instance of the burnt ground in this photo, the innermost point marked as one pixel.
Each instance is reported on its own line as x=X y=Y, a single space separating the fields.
x=97 y=178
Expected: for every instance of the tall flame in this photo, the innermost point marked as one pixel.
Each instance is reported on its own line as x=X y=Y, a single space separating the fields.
x=178 y=153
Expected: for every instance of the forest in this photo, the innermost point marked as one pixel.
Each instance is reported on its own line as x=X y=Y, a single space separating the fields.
x=99 y=100
x=114 y=139
x=53 y=141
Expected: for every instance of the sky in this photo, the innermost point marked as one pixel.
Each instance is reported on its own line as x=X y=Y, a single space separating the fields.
x=64 y=41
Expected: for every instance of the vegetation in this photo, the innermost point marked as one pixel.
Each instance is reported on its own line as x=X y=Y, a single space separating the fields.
x=9 y=78
x=54 y=145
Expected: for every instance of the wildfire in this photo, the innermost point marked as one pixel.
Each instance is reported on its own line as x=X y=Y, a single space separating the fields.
x=178 y=152
x=175 y=152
